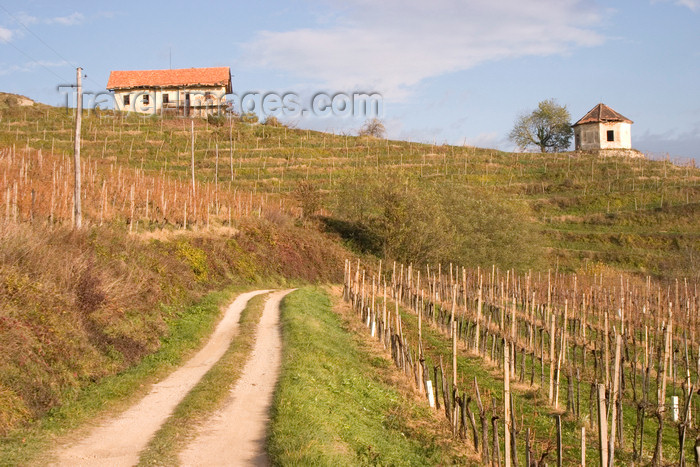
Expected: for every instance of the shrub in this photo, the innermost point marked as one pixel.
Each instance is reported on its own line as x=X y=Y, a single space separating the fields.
x=249 y=117
x=272 y=121
x=195 y=258
x=89 y=293
x=309 y=198
x=216 y=120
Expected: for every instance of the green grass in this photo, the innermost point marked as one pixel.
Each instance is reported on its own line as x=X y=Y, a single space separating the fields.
x=331 y=407
x=116 y=392
x=208 y=394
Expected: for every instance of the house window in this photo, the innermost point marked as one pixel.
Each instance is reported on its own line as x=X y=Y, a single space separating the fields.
x=166 y=98
x=146 y=99
x=611 y=135
x=126 y=100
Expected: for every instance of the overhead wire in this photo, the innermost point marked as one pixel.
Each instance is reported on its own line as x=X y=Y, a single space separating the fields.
x=47 y=45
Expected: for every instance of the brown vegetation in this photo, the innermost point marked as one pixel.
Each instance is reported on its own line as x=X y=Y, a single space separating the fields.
x=77 y=306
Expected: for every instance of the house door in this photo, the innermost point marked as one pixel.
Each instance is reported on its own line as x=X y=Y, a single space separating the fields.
x=187 y=103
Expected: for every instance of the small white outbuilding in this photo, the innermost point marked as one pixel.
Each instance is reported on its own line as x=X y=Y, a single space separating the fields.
x=603 y=128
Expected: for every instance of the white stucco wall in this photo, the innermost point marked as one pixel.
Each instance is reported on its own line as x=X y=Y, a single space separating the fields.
x=592 y=136
x=198 y=97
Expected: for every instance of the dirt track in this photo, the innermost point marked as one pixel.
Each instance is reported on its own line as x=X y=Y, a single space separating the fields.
x=118 y=441
x=235 y=435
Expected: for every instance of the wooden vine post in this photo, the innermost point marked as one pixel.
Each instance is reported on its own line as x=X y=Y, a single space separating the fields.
x=560 y=450
x=506 y=295
x=454 y=354
x=506 y=401
x=602 y=426
x=614 y=399
x=484 y=425
x=552 y=333
x=477 y=331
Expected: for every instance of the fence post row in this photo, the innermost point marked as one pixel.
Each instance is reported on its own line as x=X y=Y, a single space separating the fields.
x=510 y=320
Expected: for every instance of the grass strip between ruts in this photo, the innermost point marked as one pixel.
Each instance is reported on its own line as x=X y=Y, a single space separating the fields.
x=208 y=395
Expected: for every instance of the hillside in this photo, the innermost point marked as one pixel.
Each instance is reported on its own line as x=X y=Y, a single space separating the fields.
x=635 y=214
x=78 y=307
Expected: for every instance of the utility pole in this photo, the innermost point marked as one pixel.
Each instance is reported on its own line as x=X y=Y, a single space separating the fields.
x=192 y=133
x=77 y=212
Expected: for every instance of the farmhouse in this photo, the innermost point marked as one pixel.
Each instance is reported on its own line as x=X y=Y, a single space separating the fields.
x=603 y=128
x=184 y=91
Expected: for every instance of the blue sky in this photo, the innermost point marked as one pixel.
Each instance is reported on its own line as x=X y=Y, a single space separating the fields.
x=450 y=71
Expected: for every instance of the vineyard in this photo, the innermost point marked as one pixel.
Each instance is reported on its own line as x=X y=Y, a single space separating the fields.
x=637 y=214
x=536 y=368
x=592 y=354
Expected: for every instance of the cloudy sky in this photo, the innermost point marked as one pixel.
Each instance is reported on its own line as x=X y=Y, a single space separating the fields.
x=447 y=70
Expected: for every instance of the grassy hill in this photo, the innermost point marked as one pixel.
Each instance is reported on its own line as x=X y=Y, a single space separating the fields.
x=635 y=214
x=156 y=242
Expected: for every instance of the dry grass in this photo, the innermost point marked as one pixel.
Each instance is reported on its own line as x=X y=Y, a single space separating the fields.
x=78 y=306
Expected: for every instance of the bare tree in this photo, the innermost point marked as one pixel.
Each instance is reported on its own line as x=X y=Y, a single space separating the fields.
x=373 y=127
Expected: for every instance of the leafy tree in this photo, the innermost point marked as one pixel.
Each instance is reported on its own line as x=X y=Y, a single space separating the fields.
x=374 y=128
x=548 y=127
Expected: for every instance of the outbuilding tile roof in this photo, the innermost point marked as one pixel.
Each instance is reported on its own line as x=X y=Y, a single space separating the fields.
x=213 y=76
x=602 y=113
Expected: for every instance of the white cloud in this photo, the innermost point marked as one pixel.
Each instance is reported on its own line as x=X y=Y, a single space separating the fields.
x=5 y=34
x=30 y=66
x=490 y=139
x=393 y=45
x=26 y=18
x=693 y=5
x=677 y=143
x=70 y=20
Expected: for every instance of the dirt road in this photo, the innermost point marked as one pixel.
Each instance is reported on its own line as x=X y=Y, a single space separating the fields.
x=118 y=441
x=235 y=435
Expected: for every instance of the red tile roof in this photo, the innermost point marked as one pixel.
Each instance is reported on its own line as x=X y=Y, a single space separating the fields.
x=214 y=76
x=602 y=113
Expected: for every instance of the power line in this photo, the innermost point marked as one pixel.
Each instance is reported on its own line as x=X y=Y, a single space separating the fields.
x=58 y=54
x=37 y=62
x=37 y=37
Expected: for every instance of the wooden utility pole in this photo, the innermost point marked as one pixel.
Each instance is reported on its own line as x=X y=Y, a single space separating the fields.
x=192 y=165
x=77 y=211
x=230 y=145
x=216 y=179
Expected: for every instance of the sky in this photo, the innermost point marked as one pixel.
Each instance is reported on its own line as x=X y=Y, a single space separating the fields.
x=445 y=71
